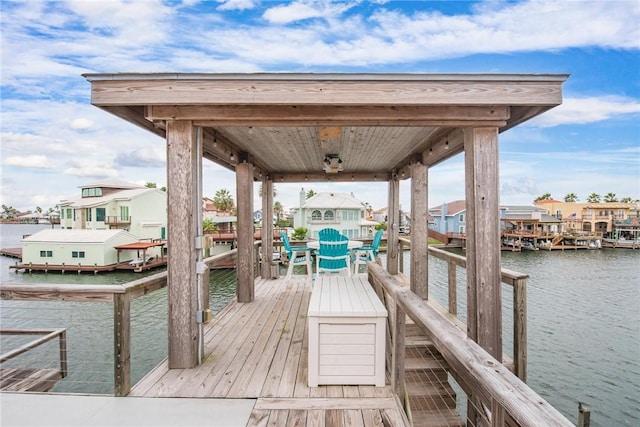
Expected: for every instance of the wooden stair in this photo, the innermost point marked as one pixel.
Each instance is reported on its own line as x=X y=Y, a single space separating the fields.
x=431 y=401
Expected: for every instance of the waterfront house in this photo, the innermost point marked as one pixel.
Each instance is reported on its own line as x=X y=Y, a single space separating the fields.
x=449 y=218
x=594 y=218
x=57 y=247
x=341 y=211
x=115 y=204
x=529 y=219
x=272 y=128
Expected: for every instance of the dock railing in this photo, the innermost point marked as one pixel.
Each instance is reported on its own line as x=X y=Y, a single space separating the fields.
x=496 y=396
x=119 y=297
x=516 y=281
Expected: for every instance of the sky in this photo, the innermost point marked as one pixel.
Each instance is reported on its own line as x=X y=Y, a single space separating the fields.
x=53 y=140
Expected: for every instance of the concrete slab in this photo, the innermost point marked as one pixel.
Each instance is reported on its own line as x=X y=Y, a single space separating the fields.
x=31 y=409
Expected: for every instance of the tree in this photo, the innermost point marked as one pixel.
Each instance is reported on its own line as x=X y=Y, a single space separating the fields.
x=610 y=198
x=151 y=185
x=571 y=198
x=545 y=196
x=310 y=194
x=278 y=209
x=275 y=192
x=223 y=201
x=209 y=225
x=593 y=198
x=626 y=200
x=38 y=209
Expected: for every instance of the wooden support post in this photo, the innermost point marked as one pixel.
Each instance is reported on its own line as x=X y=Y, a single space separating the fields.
x=267 y=227
x=393 y=215
x=453 y=287
x=401 y=257
x=63 y=354
x=584 y=415
x=246 y=263
x=182 y=160
x=398 y=357
x=520 y=327
x=122 y=344
x=484 y=289
x=419 y=280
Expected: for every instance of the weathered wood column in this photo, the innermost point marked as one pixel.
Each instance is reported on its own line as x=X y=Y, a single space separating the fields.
x=245 y=265
x=182 y=173
x=267 y=227
x=484 y=296
x=419 y=231
x=393 y=216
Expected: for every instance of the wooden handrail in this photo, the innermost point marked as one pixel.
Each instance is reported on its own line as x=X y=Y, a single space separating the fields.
x=518 y=281
x=48 y=335
x=119 y=295
x=475 y=369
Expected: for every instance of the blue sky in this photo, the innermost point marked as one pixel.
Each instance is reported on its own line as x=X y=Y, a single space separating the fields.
x=53 y=140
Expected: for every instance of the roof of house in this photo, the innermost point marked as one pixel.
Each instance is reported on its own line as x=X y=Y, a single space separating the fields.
x=112 y=183
x=85 y=202
x=59 y=235
x=453 y=208
x=333 y=201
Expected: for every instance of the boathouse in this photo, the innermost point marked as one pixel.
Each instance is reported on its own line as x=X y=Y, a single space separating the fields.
x=273 y=128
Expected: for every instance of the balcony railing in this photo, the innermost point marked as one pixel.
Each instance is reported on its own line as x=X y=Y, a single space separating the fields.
x=116 y=220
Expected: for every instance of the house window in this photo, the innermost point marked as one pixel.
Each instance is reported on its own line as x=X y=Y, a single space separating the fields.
x=328 y=215
x=77 y=254
x=61 y=213
x=124 y=213
x=70 y=214
x=461 y=217
x=88 y=214
x=100 y=214
x=316 y=215
x=46 y=254
x=91 y=192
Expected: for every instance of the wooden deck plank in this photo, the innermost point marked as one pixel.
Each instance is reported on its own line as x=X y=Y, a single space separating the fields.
x=293 y=362
x=276 y=371
x=260 y=350
x=264 y=345
x=261 y=372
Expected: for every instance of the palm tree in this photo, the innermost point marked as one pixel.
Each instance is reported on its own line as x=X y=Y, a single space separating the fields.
x=545 y=196
x=150 y=185
x=593 y=198
x=626 y=200
x=223 y=201
x=277 y=209
x=275 y=192
x=310 y=194
x=610 y=198
x=571 y=198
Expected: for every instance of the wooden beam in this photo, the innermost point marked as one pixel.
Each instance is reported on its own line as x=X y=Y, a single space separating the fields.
x=244 y=186
x=484 y=296
x=333 y=116
x=393 y=216
x=181 y=234
x=419 y=231
x=267 y=227
x=420 y=90
x=320 y=176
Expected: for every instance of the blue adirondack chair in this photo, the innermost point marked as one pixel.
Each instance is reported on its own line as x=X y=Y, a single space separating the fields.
x=296 y=255
x=367 y=253
x=333 y=255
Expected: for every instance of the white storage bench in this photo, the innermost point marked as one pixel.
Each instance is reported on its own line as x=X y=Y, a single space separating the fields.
x=347 y=325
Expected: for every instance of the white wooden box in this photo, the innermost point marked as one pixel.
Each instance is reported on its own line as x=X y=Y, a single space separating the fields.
x=347 y=325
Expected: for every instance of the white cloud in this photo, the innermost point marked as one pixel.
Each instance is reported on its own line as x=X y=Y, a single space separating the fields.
x=587 y=110
x=236 y=4
x=81 y=124
x=37 y=162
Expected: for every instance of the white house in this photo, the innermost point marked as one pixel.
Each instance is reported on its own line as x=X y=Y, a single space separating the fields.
x=73 y=247
x=117 y=205
x=341 y=211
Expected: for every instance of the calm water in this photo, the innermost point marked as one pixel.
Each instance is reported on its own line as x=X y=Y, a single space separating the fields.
x=583 y=325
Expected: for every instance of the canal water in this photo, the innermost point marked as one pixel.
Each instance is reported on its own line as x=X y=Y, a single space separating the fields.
x=583 y=325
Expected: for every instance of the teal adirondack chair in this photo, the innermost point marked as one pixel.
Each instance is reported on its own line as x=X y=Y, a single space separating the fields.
x=333 y=255
x=296 y=255
x=367 y=253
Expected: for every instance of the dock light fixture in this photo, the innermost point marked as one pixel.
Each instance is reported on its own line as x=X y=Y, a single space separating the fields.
x=332 y=163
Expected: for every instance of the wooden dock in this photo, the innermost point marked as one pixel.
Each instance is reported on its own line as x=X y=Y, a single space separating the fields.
x=259 y=350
